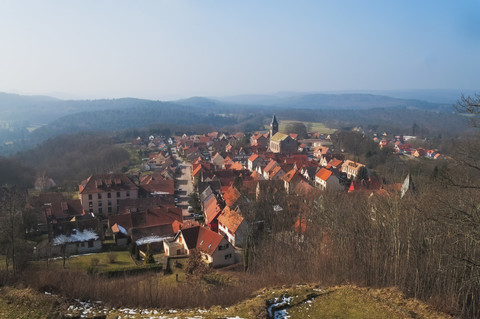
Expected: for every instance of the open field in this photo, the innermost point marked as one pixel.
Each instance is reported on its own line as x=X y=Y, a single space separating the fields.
x=300 y=301
x=311 y=126
x=100 y=261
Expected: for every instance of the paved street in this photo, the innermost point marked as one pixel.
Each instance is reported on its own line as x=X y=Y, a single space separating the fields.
x=183 y=181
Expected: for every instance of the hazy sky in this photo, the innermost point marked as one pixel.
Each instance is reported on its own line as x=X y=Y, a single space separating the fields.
x=174 y=48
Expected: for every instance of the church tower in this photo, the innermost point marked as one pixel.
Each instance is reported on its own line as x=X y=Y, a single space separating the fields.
x=273 y=126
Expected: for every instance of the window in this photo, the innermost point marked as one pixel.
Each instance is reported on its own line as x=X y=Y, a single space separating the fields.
x=89 y=196
x=109 y=202
x=118 y=202
x=82 y=244
x=100 y=204
x=228 y=256
x=91 y=210
x=90 y=243
x=109 y=195
x=100 y=210
x=109 y=209
x=90 y=204
x=128 y=193
x=118 y=194
x=99 y=196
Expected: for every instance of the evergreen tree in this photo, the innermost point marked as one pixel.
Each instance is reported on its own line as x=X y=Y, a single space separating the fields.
x=149 y=256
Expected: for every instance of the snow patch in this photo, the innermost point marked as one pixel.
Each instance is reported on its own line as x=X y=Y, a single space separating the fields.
x=279 y=302
x=150 y=239
x=75 y=236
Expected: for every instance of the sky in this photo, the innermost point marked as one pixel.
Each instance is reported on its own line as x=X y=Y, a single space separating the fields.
x=166 y=49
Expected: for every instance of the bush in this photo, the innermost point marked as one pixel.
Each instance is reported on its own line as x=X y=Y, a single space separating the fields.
x=94 y=262
x=111 y=257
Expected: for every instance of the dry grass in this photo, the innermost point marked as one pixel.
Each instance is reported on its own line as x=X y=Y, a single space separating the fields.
x=305 y=301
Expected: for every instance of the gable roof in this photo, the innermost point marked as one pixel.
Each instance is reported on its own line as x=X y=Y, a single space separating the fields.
x=323 y=174
x=253 y=157
x=230 y=218
x=201 y=238
x=231 y=196
x=212 y=209
x=278 y=137
x=288 y=177
x=270 y=166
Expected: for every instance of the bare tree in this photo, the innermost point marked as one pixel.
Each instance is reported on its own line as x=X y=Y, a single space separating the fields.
x=12 y=204
x=471 y=107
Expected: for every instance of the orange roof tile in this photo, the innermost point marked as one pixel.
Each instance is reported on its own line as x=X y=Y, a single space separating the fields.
x=324 y=174
x=230 y=218
x=270 y=166
x=253 y=157
x=236 y=166
x=231 y=196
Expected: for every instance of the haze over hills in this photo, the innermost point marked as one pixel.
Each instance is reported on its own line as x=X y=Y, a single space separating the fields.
x=28 y=120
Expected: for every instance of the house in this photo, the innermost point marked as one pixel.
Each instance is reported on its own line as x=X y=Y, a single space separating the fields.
x=101 y=194
x=156 y=184
x=258 y=139
x=56 y=209
x=319 y=151
x=326 y=180
x=309 y=172
x=270 y=166
x=231 y=196
x=211 y=210
x=217 y=161
x=253 y=162
x=146 y=224
x=283 y=143
x=232 y=225
x=276 y=173
x=215 y=249
x=76 y=237
x=351 y=168
x=290 y=179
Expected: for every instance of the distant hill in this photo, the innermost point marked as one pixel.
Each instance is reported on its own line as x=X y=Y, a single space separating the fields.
x=333 y=101
x=26 y=121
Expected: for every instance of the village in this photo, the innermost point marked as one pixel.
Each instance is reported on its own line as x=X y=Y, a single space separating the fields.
x=187 y=195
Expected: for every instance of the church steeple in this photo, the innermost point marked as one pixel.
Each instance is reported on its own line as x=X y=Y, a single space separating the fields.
x=273 y=126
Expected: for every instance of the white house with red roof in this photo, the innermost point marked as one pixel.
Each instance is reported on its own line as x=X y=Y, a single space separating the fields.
x=326 y=180
x=232 y=225
x=215 y=249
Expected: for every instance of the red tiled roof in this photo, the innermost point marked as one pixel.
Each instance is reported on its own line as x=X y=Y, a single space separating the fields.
x=236 y=166
x=212 y=210
x=106 y=182
x=275 y=171
x=270 y=166
x=324 y=174
x=290 y=175
x=231 y=196
x=202 y=239
x=230 y=218
x=253 y=157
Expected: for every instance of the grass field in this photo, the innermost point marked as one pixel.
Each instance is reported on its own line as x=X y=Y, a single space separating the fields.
x=84 y=262
x=302 y=301
x=311 y=126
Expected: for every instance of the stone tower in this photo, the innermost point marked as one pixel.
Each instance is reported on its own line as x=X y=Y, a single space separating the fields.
x=273 y=126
